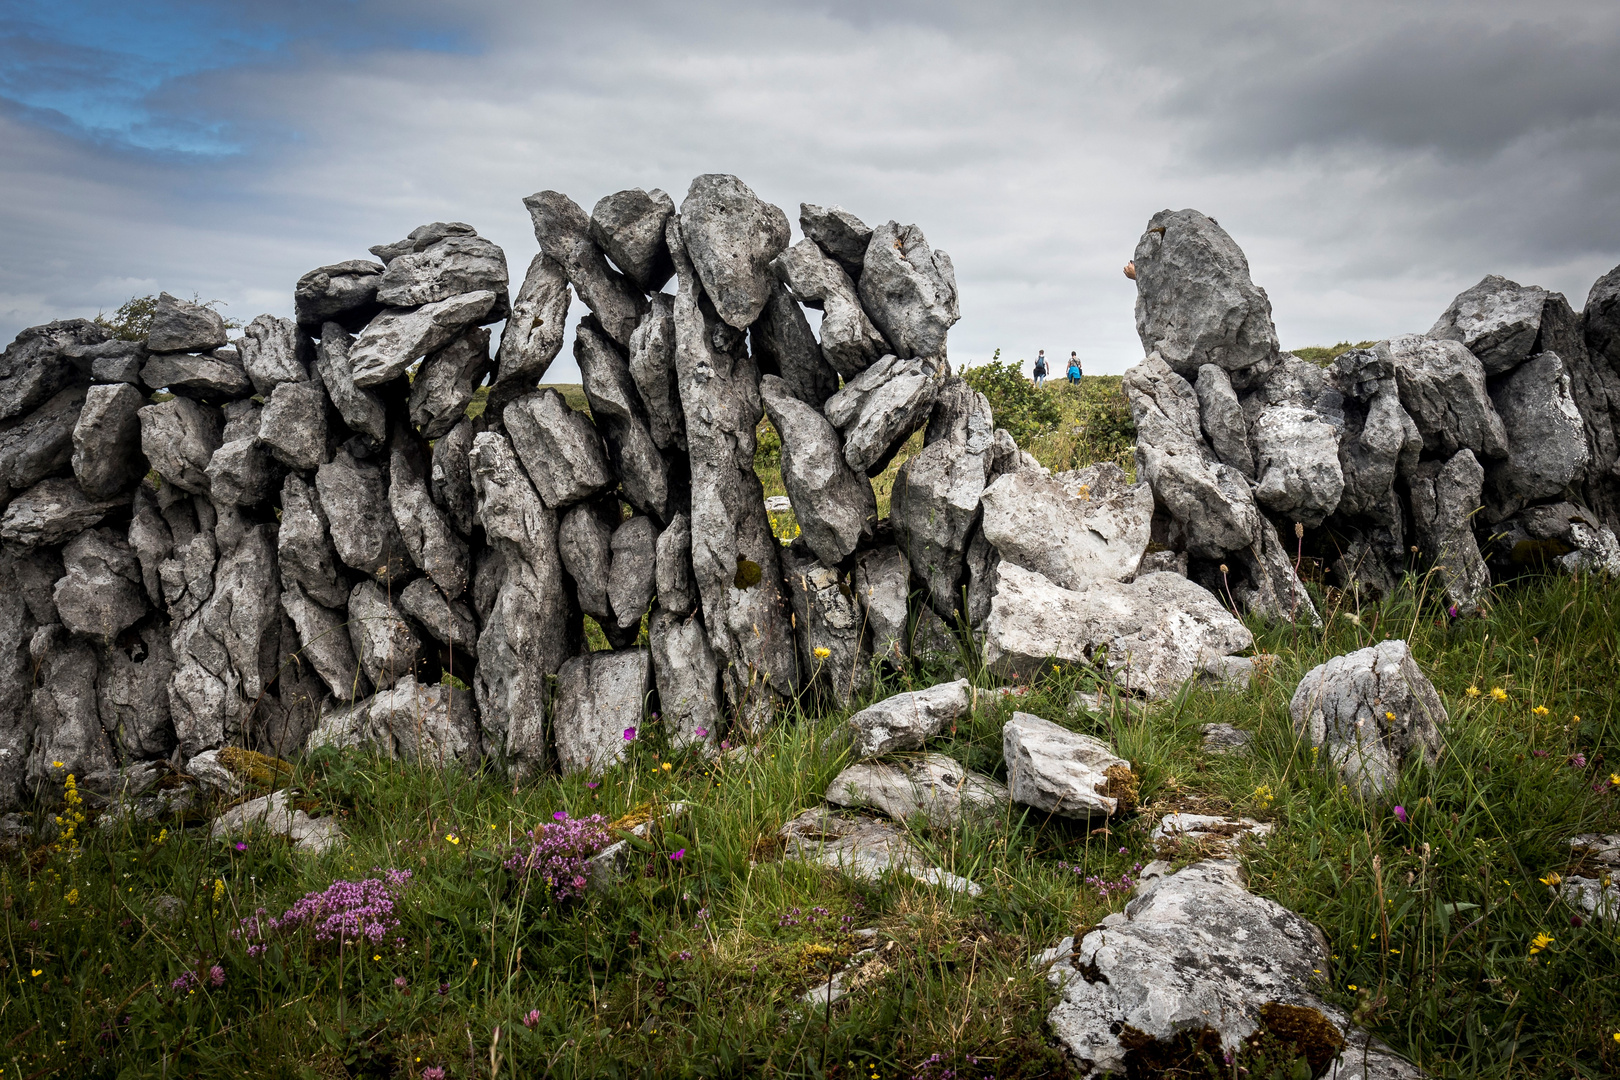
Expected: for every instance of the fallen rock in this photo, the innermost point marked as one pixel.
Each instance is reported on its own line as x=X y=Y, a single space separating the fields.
x=1546 y=437
x=600 y=695
x=179 y=437
x=1205 y=836
x=880 y=408
x=1597 y=898
x=453 y=266
x=909 y=290
x=731 y=235
x=362 y=526
x=621 y=418
x=834 y=506
x=1370 y=711
x=1497 y=320
x=839 y=233
x=397 y=338
x=344 y=293
x=292 y=425
x=361 y=410
x=563 y=231
x=101 y=593
x=832 y=645
x=1226 y=740
x=1442 y=387
x=610 y=865
x=534 y=331
x=631 y=581
x=1063 y=772
x=1085 y=526
x=182 y=326
x=929 y=784
x=51 y=512
x=432 y=725
x=864 y=849
x=272 y=815
x=444 y=384
x=907 y=721
x=271 y=353
x=629 y=227
x=1444 y=497
x=107 y=456
x=850 y=342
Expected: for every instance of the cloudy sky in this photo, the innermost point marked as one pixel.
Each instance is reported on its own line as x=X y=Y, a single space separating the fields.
x=1371 y=159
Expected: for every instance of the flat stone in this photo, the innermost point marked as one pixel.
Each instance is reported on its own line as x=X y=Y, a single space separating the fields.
x=834 y=506
x=40 y=444
x=182 y=326
x=629 y=228
x=1595 y=898
x=385 y=643
x=217 y=376
x=731 y=235
x=838 y=232
x=397 y=338
x=344 y=293
x=621 y=418
x=1224 y=739
x=563 y=230
x=1086 y=526
x=909 y=290
x=179 y=437
x=51 y=512
x=272 y=353
x=880 y=408
x=1497 y=320
x=1205 y=836
x=932 y=785
x=427 y=725
x=559 y=447
x=599 y=696
x=652 y=366
x=101 y=594
x=864 y=849
x=358 y=516
x=1063 y=772
x=292 y=426
x=444 y=384
x=453 y=266
x=1442 y=387
x=449 y=621
x=907 y=721
x=117 y=362
x=361 y=410
x=687 y=675
x=850 y=342
x=273 y=815
x=534 y=331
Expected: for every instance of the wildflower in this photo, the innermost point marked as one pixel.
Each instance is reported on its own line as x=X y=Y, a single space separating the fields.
x=186 y=981
x=162 y=836
x=219 y=889
x=1551 y=880
x=559 y=852
x=72 y=897
x=1352 y=986
x=561 y=815
x=241 y=846
x=629 y=734
x=36 y=972
x=1540 y=710
x=1498 y=694
x=725 y=744
x=702 y=733
x=532 y=1020
x=821 y=653
x=345 y=911
x=1578 y=760
x=376 y=956
x=401 y=983
x=1472 y=691
x=593 y=783
x=677 y=856
x=703 y=913
x=216 y=976
x=1614 y=778
x=667 y=766
x=452 y=837
x=433 y=1073
x=1540 y=941
x=1400 y=814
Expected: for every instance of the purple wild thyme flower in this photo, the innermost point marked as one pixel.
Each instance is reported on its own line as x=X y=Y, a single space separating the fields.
x=560 y=852
x=186 y=981
x=677 y=856
x=401 y=983
x=433 y=1072
x=345 y=911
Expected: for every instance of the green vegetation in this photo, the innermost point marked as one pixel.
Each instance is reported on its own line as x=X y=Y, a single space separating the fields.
x=1323 y=355
x=133 y=319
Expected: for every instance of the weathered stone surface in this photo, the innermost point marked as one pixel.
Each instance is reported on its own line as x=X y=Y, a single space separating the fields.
x=532 y=625
x=735 y=558
x=629 y=228
x=785 y=346
x=1086 y=526
x=1561 y=534
x=1195 y=301
x=631 y=581
x=397 y=338
x=585 y=545
x=563 y=231
x=216 y=376
x=241 y=472
x=862 y=848
x=50 y=512
x=113 y=361
x=68 y=736
x=304 y=547
x=672 y=570
x=880 y=408
x=132 y=695
x=433 y=725
x=270 y=353
x=934 y=507
x=652 y=366
x=850 y=342
x=1159 y=631
x=358 y=516
x=445 y=382
x=1263 y=580
x=1063 y=772
x=1379 y=437
x=179 y=437
x=429 y=540
x=834 y=506
x=1497 y=320
x=450 y=478
x=599 y=696
x=449 y=621
x=907 y=721
x=883 y=589
x=1371 y=712
x=559 y=448
x=182 y=326
x=534 y=331
x=1600 y=319
x=731 y=235
x=385 y=643
x=292 y=426
x=41 y=444
x=1445 y=496
x=421 y=238
x=1595 y=387
x=1296 y=454
x=1547 y=447
x=1442 y=387
x=620 y=416
x=1224 y=739
x=344 y=293
x=687 y=674
x=272 y=815
x=325 y=642
x=1222 y=419
x=36 y=365
x=832 y=645
x=17 y=627
x=909 y=290
x=932 y=785
x=361 y=409
x=151 y=539
x=101 y=593
x=839 y=233
x=453 y=266
x=107 y=456
x=188 y=576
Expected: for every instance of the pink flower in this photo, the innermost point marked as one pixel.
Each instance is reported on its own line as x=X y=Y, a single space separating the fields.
x=677 y=856
x=400 y=983
x=216 y=976
x=593 y=783
x=702 y=733
x=629 y=734
x=1400 y=814
x=1578 y=760
x=725 y=744
x=532 y=1019
x=240 y=846
x=433 y=1072
x=561 y=815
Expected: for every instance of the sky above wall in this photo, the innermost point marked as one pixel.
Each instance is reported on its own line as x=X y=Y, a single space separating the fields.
x=1372 y=159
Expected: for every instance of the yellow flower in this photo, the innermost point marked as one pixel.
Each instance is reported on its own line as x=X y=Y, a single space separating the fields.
x=452 y=837
x=37 y=972
x=1540 y=710
x=668 y=766
x=1614 y=778
x=1540 y=941
x=219 y=890
x=163 y=836
x=1389 y=716
x=821 y=653
x=376 y=956
x=1551 y=880
x=1472 y=691
x=1617 y=1036
x=72 y=897
x=1352 y=986
x=1498 y=694
x=55 y=765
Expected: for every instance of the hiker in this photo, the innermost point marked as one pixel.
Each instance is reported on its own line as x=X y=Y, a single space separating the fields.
x=1040 y=367
x=1074 y=369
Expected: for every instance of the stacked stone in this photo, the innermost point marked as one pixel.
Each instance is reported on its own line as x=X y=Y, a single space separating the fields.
x=1488 y=442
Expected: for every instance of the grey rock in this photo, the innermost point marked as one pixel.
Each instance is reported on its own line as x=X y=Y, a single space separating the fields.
x=386 y=644
x=1371 y=712
x=50 y=512
x=1595 y=387
x=883 y=589
x=421 y=238
x=444 y=385
x=216 y=376
x=599 y=696
x=107 y=454
x=1062 y=772
x=1442 y=387
x=292 y=426
x=361 y=409
x=272 y=815
x=448 y=620
x=101 y=594
x=179 y=437
x=563 y=231
x=1206 y=834
x=934 y=507
x=1086 y=526
x=1594 y=897
x=182 y=326
x=410 y=721
x=1497 y=320
x=304 y=546
x=151 y=540
x=429 y=539
x=1445 y=496
x=832 y=642
x=631 y=581
x=629 y=227
x=731 y=235
x=41 y=444
x=585 y=545
x=1195 y=301
x=652 y=366
x=241 y=421
x=450 y=476
x=850 y=341
x=397 y=338
x=1561 y=533
x=67 y=725
x=344 y=293
x=534 y=331
x=1222 y=419
x=735 y=558
x=132 y=695
x=37 y=364
x=1226 y=740
x=453 y=266
x=1159 y=631
x=838 y=232
x=116 y=361
x=879 y=409
x=1162 y=562
x=325 y=643
x=672 y=569
x=864 y=849
x=1546 y=437
x=785 y=346
x=932 y=785
x=1297 y=458
x=532 y=625
x=909 y=290
x=1600 y=319
x=983 y=566
x=620 y=416
x=270 y=353
x=17 y=628
x=1265 y=582
x=559 y=448
x=354 y=500
x=1379 y=440
x=240 y=472
x=687 y=674
x=834 y=506
x=907 y=721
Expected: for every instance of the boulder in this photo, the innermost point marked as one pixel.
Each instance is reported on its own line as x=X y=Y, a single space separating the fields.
x=631 y=581
x=101 y=594
x=1222 y=420
x=324 y=642
x=453 y=266
x=51 y=512
x=909 y=290
x=179 y=437
x=361 y=410
x=1371 y=712
x=271 y=353
x=1159 y=631
x=272 y=815
x=36 y=365
x=907 y=721
x=215 y=376
x=832 y=642
x=344 y=293
x=1546 y=437
x=652 y=367
x=620 y=416
x=863 y=849
x=182 y=326
x=430 y=541
x=1296 y=453
x=397 y=338
x=386 y=644
x=731 y=235
x=534 y=331
x=115 y=361
x=450 y=475
x=934 y=507
x=563 y=231
x=600 y=696
x=304 y=546
x=432 y=725
x=585 y=545
x=41 y=444
x=1062 y=772
x=1445 y=495
x=785 y=346
x=1088 y=525
x=448 y=621
x=629 y=228
x=880 y=408
x=834 y=506
x=687 y=675
x=292 y=426
x=559 y=448
x=839 y=233
x=850 y=342
x=672 y=567
x=444 y=384
x=421 y=238
x=1497 y=320
x=932 y=785
x=883 y=589
x=1442 y=387
x=354 y=499
x=132 y=695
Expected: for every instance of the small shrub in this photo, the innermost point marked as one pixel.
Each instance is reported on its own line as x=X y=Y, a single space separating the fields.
x=1020 y=406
